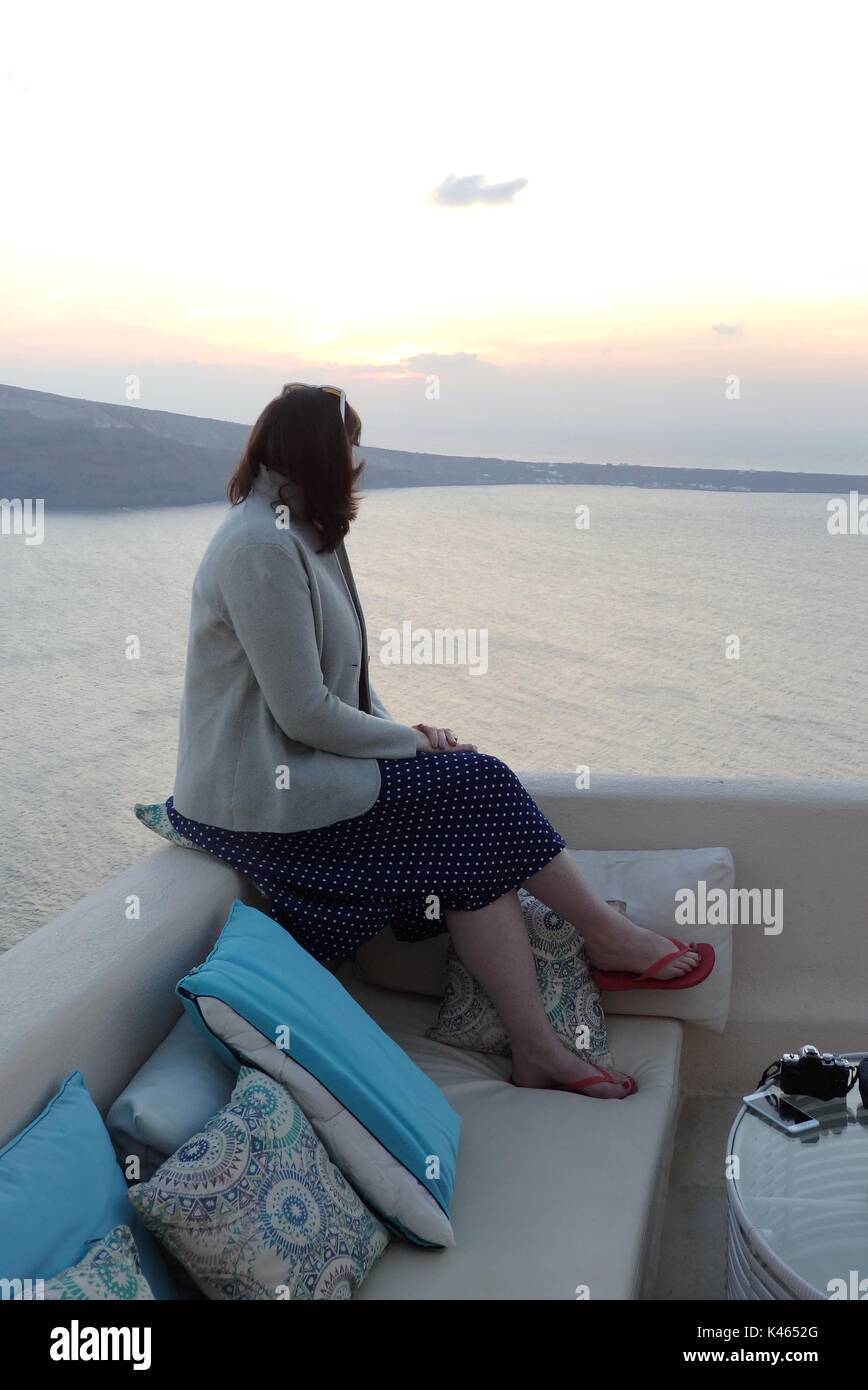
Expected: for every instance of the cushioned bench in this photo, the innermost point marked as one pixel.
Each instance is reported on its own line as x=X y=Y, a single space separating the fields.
x=553 y=1191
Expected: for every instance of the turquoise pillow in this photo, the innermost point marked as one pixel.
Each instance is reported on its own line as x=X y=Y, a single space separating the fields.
x=61 y=1189
x=257 y=969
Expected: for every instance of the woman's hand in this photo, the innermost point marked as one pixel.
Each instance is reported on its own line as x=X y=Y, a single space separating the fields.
x=443 y=740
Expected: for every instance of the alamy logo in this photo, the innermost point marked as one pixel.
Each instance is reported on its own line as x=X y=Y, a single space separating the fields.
x=739 y=907
x=77 y=1343
x=440 y=646
x=15 y=1289
x=23 y=516
x=851 y=1288
x=848 y=516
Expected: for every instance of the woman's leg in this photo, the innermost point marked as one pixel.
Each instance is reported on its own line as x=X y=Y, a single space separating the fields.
x=613 y=941
x=493 y=944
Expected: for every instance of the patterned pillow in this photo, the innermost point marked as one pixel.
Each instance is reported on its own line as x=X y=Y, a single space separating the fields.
x=109 y=1271
x=254 y=1208
x=468 y=1019
x=156 y=818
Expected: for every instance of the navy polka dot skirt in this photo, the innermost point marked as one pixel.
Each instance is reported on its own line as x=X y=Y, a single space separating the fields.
x=447 y=831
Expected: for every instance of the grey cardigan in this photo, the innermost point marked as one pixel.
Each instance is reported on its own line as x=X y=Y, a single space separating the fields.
x=280 y=729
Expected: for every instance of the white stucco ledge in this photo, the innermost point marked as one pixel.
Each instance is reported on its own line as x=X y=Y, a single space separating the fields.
x=756 y=791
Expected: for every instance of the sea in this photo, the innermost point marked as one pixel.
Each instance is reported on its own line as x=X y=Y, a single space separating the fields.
x=614 y=629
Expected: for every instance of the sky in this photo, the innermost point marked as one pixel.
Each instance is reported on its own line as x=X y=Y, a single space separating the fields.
x=616 y=233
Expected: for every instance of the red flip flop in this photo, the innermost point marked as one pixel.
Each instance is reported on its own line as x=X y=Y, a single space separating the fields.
x=611 y=980
x=604 y=1079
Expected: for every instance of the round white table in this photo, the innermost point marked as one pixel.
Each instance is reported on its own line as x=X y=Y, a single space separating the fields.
x=798 y=1207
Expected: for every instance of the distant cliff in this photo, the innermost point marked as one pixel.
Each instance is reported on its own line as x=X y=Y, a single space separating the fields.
x=82 y=454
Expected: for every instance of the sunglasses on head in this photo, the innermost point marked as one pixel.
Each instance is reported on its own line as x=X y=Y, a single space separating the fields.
x=329 y=390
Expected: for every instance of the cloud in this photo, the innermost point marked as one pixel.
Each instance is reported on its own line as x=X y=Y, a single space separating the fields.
x=727 y=330
x=436 y=361
x=474 y=188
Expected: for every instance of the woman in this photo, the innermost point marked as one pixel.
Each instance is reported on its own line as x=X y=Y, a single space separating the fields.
x=291 y=769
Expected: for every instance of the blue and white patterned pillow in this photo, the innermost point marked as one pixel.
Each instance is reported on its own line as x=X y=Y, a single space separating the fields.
x=156 y=818
x=109 y=1271
x=254 y=1208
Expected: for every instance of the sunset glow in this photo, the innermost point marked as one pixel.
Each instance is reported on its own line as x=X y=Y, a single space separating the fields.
x=251 y=190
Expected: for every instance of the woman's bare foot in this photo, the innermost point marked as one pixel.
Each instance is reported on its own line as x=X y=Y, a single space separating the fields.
x=558 y=1067
x=623 y=945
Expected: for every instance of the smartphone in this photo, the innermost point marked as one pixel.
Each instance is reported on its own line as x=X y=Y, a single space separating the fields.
x=772 y=1105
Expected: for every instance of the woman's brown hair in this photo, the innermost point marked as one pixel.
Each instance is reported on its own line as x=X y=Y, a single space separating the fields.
x=300 y=435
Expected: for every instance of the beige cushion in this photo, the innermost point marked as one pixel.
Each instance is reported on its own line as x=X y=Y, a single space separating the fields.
x=572 y=1183
x=647 y=881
